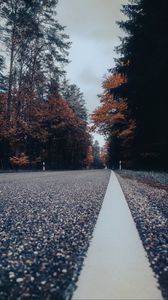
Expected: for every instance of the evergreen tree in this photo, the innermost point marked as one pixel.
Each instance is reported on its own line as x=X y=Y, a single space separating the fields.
x=74 y=98
x=37 y=123
x=37 y=46
x=144 y=62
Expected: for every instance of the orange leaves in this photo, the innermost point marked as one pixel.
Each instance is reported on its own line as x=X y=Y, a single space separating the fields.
x=43 y=129
x=128 y=132
x=112 y=111
x=19 y=160
x=59 y=112
x=118 y=117
x=112 y=117
x=108 y=115
x=114 y=80
x=89 y=157
x=61 y=116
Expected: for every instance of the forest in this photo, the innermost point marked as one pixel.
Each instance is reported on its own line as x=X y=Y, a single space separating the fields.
x=132 y=111
x=43 y=116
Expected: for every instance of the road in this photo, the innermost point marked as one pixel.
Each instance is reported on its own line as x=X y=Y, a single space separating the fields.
x=46 y=223
x=116 y=266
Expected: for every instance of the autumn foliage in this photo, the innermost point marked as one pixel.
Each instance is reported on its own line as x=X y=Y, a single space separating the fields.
x=89 y=157
x=43 y=117
x=45 y=131
x=112 y=118
x=19 y=160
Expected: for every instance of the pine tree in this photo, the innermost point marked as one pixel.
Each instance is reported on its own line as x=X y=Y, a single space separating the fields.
x=37 y=123
x=144 y=61
x=37 y=46
x=75 y=99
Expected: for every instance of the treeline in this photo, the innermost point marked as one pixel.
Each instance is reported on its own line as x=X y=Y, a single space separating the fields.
x=133 y=110
x=43 y=117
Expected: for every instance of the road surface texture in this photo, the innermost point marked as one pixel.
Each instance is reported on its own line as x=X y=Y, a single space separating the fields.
x=46 y=223
x=147 y=197
x=116 y=266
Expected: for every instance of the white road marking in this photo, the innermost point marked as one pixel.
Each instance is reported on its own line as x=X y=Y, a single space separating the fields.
x=116 y=266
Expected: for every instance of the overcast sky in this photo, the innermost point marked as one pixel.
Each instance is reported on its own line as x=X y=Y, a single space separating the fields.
x=91 y=25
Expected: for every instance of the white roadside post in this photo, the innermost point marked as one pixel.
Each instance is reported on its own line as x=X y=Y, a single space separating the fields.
x=43 y=166
x=120 y=165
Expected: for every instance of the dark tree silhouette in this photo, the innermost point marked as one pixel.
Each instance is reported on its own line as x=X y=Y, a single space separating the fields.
x=143 y=59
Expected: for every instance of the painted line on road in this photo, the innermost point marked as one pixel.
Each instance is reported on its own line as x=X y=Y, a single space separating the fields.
x=116 y=266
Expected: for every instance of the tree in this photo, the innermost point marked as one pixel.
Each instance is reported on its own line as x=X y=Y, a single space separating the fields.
x=89 y=158
x=10 y=12
x=36 y=119
x=20 y=161
x=55 y=135
x=75 y=99
x=143 y=59
x=113 y=120
x=68 y=139
x=97 y=162
x=37 y=44
x=103 y=154
x=1 y=68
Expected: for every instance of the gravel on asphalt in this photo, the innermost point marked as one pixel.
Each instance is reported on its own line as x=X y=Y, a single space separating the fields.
x=46 y=224
x=147 y=197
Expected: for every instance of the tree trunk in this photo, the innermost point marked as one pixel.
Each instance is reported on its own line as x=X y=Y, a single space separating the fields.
x=11 y=74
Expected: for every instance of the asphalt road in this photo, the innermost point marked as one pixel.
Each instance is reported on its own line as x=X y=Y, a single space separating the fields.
x=46 y=223
x=147 y=197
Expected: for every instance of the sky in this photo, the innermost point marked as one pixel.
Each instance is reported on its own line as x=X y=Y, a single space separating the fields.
x=91 y=25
